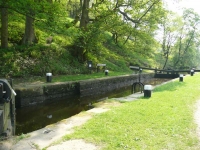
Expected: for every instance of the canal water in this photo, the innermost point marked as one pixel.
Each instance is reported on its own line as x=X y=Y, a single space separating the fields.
x=36 y=117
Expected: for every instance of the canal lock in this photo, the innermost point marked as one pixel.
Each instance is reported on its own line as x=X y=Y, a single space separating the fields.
x=36 y=117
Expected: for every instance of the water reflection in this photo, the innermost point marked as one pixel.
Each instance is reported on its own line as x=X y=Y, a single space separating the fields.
x=35 y=117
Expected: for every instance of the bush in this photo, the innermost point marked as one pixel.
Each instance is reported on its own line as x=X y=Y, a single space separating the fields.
x=15 y=32
x=38 y=60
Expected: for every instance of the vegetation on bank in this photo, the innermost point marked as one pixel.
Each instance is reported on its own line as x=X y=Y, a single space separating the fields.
x=64 y=78
x=60 y=36
x=164 y=121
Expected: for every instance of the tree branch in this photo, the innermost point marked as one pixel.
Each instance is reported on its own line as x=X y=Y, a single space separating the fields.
x=22 y=13
x=127 y=17
x=138 y=20
x=148 y=10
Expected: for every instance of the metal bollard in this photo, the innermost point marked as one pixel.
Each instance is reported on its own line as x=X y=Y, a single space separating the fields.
x=192 y=72
x=147 y=90
x=90 y=66
x=48 y=77
x=106 y=72
x=181 y=78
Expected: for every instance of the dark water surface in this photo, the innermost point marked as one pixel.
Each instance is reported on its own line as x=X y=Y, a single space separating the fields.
x=36 y=117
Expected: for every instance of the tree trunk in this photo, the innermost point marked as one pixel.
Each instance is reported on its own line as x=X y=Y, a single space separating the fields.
x=85 y=14
x=29 y=35
x=166 y=60
x=4 y=27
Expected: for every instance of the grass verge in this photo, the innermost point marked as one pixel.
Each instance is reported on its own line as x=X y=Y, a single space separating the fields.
x=65 y=78
x=164 y=121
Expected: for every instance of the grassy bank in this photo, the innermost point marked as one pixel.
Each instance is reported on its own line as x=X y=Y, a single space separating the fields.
x=64 y=78
x=164 y=121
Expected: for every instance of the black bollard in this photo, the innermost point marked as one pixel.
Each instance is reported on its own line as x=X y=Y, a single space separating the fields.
x=106 y=72
x=192 y=72
x=181 y=78
x=147 y=90
x=90 y=66
x=49 y=77
x=140 y=71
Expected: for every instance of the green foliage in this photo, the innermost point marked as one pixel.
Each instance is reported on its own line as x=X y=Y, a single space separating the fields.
x=180 y=41
x=37 y=60
x=110 y=36
x=16 y=32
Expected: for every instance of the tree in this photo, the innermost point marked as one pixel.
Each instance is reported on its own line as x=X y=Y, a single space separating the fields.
x=85 y=14
x=33 y=10
x=4 y=24
x=170 y=25
x=124 y=19
x=179 y=44
x=187 y=39
x=29 y=34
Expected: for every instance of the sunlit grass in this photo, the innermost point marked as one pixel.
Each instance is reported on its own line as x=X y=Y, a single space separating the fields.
x=164 y=121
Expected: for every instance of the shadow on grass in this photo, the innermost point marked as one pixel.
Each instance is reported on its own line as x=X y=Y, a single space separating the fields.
x=171 y=86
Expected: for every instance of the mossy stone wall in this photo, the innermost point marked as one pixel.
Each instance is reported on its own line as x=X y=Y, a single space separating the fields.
x=41 y=93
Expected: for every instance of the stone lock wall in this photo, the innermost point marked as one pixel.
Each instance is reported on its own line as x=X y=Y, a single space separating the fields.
x=101 y=86
x=31 y=95
x=35 y=94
